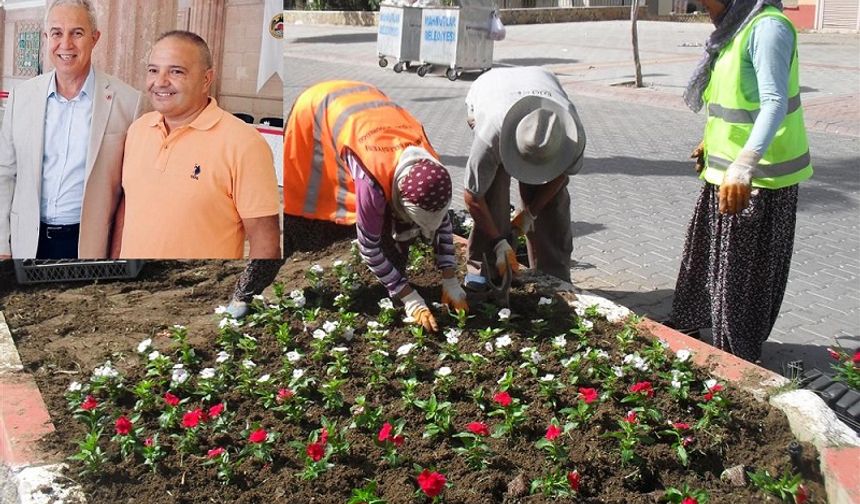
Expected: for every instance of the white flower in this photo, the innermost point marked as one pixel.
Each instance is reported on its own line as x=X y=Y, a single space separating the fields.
x=382 y=353
x=178 y=327
x=405 y=349
x=676 y=384
x=683 y=355
x=618 y=371
x=385 y=304
x=338 y=263
x=601 y=354
x=258 y=297
x=75 y=387
x=443 y=371
x=566 y=362
x=536 y=357
x=228 y=321
x=105 y=371
x=153 y=355
x=559 y=341
x=222 y=357
x=144 y=345
x=316 y=269
x=709 y=384
x=587 y=324
x=179 y=365
x=348 y=333
x=526 y=350
x=329 y=326
x=503 y=341
x=263 y=379
x=319 y=334
x=452 y=336
x=340 y=349
x=663 y=343
x=579 y=310
x=207 y=373
x=374 y=325
x=297 y=293
x=220 y=310
x=488 y=346
x=248 y=336
x=248 y=364
x=543 y=301
x=504 y=314
x=537 y=321
x=339 y=298
x=298 y=373
x=179 y=376
x=294 y=357
x=547 y=377
x=300 y=302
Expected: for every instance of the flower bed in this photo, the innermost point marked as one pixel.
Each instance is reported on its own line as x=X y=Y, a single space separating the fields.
x=324 y=393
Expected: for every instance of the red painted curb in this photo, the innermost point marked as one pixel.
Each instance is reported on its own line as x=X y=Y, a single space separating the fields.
x=744 y=374
x=24 y=420
x=840 y=467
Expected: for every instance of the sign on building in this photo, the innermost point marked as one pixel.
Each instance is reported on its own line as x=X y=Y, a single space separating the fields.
x=28 y=41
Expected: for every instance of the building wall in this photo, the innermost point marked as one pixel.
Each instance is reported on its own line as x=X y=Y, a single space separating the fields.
x=802 y=13
x=240 y=62
x=7 y=80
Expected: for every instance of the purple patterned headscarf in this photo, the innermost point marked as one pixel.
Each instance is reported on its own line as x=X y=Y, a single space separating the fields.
x=737 y=15
x=427 y=186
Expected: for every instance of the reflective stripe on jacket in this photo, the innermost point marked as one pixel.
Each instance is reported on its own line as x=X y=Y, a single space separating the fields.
x=731 y=116
x=328 y=118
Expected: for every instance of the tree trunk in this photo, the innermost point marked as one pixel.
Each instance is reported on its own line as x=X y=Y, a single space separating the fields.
x=634 y=17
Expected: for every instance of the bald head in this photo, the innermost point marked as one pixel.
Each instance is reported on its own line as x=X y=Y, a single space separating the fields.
x=193 y=39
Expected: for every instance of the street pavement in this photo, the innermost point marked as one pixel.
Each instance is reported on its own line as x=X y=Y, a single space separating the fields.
x=635 y=194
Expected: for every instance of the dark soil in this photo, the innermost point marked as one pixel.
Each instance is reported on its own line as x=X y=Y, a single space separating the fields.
x=64 y=331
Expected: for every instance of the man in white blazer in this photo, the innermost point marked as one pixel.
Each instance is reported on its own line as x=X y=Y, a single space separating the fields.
x=61 y=147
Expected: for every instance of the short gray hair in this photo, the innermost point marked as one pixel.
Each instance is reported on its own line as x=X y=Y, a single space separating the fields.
x=86 y=4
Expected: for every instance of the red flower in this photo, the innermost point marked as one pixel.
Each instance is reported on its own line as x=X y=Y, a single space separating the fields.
x=385 y=432
x=323 y=436
x=192 y=418
x=802 y=494
x=680 y=426
x=834 y=354
x=687 y=441
x=171 y=399
x=258 y=436
x=856 y=358
x=148 y=442
x=397 y=440
x=479 y=428
x=643 y=387
x=689 y=500
x=123 y=426
x=552 y=432
x=631 y=417
x=573 y=480
x=89 y=403
x=503 y=399
x=216 y=410
x=284 y=394
x=589 y=395
x=215 y=452
x=716 y=388
x=708 y=396
x=431 y=483
x=316 y=451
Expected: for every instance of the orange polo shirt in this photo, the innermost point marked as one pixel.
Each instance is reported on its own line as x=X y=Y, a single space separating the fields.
x=186 y=193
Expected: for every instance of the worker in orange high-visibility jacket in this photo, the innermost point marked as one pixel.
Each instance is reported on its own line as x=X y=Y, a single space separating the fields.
x=356 y=163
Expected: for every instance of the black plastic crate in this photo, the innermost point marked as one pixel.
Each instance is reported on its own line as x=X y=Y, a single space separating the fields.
x=43 y=271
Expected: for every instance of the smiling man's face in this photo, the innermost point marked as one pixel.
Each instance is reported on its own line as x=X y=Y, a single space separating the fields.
x=177 y=79
x=71 y=40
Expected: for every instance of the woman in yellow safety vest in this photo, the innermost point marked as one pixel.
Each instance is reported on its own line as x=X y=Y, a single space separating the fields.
x=754 y=152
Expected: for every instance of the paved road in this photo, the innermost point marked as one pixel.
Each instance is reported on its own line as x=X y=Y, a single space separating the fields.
x=635 y=194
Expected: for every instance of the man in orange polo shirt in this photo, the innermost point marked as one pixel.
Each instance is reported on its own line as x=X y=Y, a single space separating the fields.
x=197 y=180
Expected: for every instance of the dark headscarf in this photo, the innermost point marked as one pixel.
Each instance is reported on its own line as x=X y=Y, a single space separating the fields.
x=737 y=15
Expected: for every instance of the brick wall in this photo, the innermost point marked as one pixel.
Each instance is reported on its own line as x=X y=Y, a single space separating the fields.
x=238 y=70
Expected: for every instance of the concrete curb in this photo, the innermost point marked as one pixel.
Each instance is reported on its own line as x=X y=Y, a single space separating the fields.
x=28 y=475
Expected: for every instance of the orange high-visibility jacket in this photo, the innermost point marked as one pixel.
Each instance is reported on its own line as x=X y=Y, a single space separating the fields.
x=329 y=118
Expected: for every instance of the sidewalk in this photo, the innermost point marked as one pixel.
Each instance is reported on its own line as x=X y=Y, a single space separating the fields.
x=634 y=196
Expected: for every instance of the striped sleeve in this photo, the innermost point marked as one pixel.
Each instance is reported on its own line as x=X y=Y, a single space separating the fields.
x=443 y=245
x=369 y=220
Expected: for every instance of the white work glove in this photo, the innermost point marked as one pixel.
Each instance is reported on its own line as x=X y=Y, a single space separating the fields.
x=737 y=183
x=505 y=257
x=523 y=222
x=453 y=294
x=417 y=311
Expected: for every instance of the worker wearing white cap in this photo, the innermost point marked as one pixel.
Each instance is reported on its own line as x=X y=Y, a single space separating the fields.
x=525 y=127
